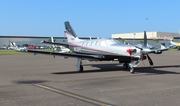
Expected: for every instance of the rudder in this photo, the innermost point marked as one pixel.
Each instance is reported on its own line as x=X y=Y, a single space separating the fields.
x=70 y=33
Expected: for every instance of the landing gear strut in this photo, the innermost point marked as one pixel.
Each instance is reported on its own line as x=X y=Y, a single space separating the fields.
x=79 y=65
x=130 y=66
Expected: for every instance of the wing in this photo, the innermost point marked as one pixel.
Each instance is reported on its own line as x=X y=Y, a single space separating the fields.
x=159 y=51
x=83 y=56
x=87 y=56
x=53 y=43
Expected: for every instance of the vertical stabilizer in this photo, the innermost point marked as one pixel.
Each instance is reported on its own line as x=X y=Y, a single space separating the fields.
x=70 y=33
x=70 y=29
x=52 y=39
x=13 y=44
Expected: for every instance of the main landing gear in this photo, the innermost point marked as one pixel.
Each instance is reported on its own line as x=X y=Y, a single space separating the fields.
x=79 y=65
x=130 y=66
x=125 y=66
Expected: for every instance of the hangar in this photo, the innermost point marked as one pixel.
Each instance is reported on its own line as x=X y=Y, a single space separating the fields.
x=20 y=40
x=31 y=40
x=154 y=38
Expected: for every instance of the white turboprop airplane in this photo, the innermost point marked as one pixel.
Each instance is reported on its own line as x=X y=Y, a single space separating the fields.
x=103 y=50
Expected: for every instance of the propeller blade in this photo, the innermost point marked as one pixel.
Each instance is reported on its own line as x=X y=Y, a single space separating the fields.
x=139 y=47
x=150 y=60
x=145 y=39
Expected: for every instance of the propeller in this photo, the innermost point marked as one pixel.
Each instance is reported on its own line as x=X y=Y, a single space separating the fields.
x=150 y=61
x=145 y=50
x=145 y=46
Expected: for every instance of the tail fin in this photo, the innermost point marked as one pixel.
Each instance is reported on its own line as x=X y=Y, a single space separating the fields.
x=52 y=40
x=70 y=29
x=13 y=44
x=70 y=33
x=145 y=39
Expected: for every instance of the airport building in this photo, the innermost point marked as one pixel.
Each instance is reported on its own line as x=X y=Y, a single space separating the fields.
x=30 y=40
x=20 y=40
x=153 y=38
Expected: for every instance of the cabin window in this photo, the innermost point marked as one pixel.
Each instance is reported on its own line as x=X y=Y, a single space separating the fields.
x=103 y=43
x=83 y=44
x=91 y=43
x=96 y=43
x=87 y=43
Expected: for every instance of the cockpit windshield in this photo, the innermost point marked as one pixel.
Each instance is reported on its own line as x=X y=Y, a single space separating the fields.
x=113 y=41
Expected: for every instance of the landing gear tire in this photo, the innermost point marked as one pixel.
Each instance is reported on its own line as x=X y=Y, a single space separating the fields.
x=81 y=68
x=125 y=66
x=131 y=70
x=79 y=65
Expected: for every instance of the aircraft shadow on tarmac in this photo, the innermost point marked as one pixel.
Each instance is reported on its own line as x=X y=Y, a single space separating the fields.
x=29 y=81
x=117 y=67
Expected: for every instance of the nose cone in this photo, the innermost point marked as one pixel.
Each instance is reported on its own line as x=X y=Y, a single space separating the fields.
x=146 y=50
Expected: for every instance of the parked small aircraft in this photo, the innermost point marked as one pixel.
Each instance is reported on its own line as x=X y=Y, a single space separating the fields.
x=14 y=47
x=174 y=44
x=61 y=49
x=106 y=49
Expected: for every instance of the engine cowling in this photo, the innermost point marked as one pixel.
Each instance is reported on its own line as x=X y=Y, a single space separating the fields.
x=158 y=52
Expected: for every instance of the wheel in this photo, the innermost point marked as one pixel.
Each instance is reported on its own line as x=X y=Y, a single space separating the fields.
x=125 y=66
x=81 y=68
x=131 y=70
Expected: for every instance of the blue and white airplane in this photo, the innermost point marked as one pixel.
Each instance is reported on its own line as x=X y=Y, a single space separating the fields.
x=107 y=49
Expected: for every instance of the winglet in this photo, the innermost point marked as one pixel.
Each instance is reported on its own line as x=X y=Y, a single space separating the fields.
x=162 y=46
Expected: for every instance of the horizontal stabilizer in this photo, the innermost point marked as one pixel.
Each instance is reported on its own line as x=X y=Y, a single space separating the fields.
x=53 y=43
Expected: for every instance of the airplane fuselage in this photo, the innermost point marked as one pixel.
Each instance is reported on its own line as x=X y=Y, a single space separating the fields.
x=107 y=47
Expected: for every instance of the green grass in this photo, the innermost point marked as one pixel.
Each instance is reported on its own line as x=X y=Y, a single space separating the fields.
x=50 y=50
x=10 y=52
x=173 y=50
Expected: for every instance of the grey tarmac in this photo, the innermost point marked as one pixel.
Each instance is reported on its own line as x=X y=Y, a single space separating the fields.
x=42 y=80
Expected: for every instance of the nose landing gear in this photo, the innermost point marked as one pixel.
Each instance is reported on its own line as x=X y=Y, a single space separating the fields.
x=130 y=66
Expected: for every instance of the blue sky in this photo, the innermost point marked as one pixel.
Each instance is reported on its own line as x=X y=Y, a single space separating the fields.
x=95 y=18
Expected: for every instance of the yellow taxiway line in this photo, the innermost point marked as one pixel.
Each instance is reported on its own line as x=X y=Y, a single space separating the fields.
x=73 y=95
